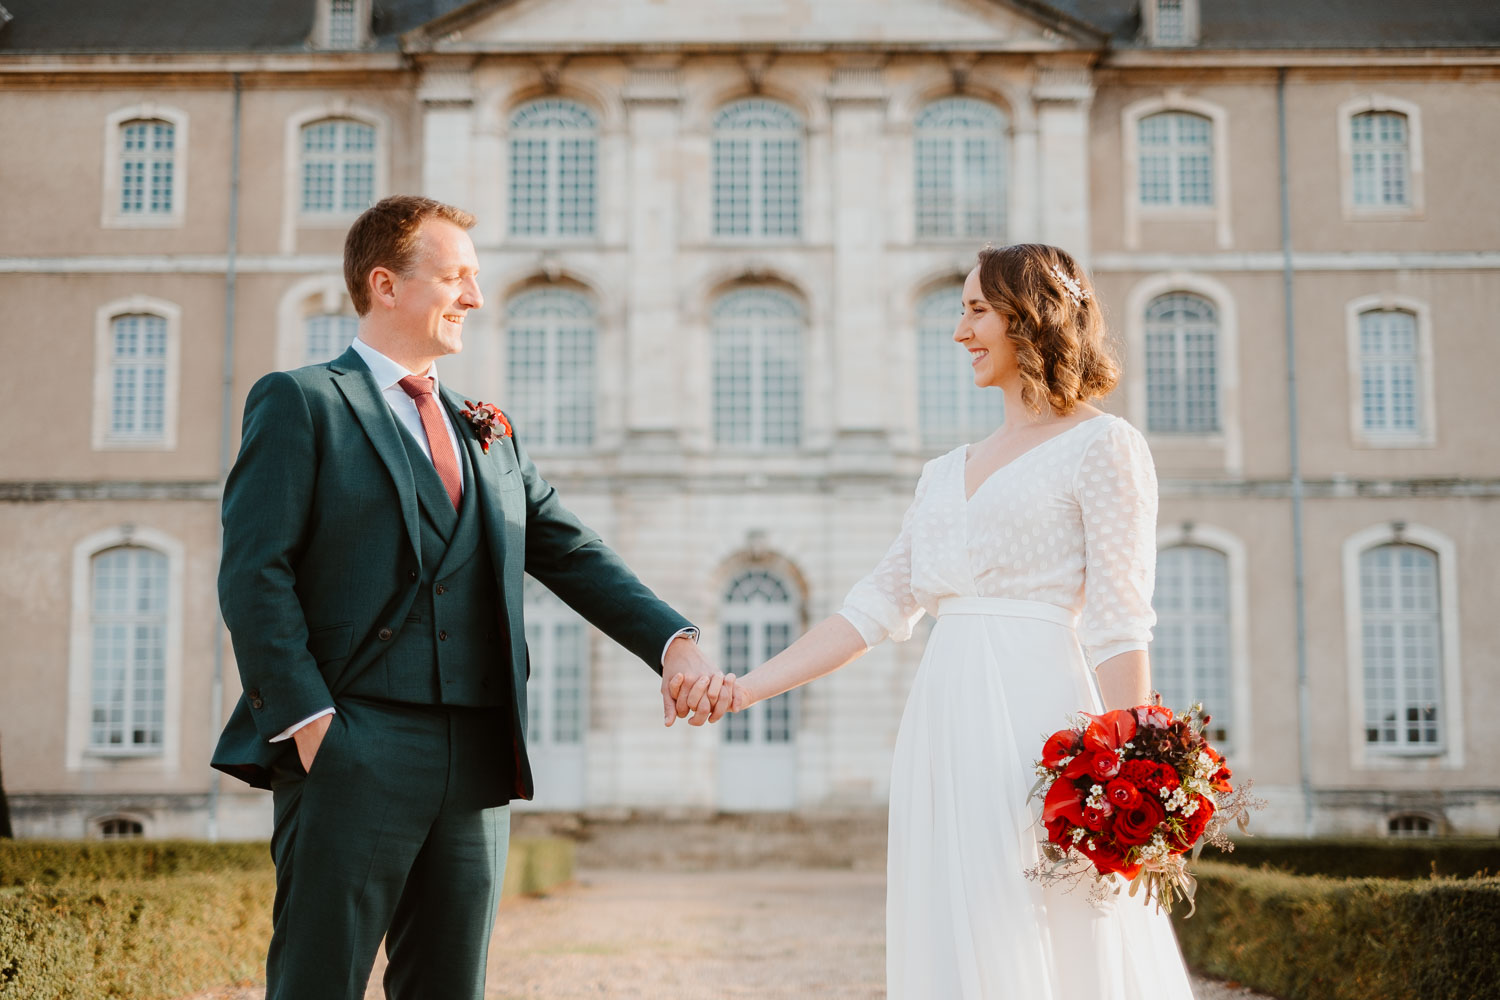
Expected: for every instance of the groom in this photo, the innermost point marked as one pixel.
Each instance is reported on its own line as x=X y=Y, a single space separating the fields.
x=375 y=534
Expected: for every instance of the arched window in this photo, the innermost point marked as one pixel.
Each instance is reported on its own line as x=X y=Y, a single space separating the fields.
x=119 y=828
x=554 y=152
x=1401 y=633
x=1190 y=648
x=128 y=625
x=1380 y=159
x=1411 y=825
x=757 y=369
x=759 y=618
x=1176 y=151
x=338 y=167
x=1390 y=373
x=550 y=349
x=147 y=167
x=960 y=170
x=757 y=168
x=557 y=693
x=138 y=383
x=1182 y=379
x=950 y=407
x=328 y=335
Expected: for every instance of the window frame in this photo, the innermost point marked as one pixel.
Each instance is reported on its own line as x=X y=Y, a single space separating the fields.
x=757 y=172
x=1190 y=25
x=553 y=138
x=755 y=725
x=111 y=216
x=319 y=295
x=1137 y=211
x=323 y=26
x=1000 y=205
x=1415 y=208
x=1362 y=756
x=547 y=441
x=103 y=438
x=1425 y=435
x=757 y=391
x=293 y=218
x=78 y=754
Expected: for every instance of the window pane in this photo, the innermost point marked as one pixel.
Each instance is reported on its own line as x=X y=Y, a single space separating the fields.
x=554 y=158
x=146 y=167
x=328 y=336
x=1176 y=163
x=1190 y=659
x=128 y=629
x=138 y=377
x=550 y=373
x=759 y=619
x=338 y=167
x=757 y=369
x=1181 y=365
x=1389 y=371
x=1402 y=650
x=757 y=170
x=1379 y=159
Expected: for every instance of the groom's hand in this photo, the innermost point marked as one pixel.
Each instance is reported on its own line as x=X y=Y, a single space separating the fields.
x=309 y=738
x=700 y=687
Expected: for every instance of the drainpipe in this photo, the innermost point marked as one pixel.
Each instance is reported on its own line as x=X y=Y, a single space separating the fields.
x=226 y=428
x=1294 y=454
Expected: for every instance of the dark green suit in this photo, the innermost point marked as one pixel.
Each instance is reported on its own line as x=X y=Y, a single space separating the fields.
x=349 y=580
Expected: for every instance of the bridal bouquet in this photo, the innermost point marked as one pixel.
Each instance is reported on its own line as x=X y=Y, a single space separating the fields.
x=1131 y=792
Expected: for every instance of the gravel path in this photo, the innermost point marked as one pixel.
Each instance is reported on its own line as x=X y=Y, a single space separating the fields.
x=697 y=936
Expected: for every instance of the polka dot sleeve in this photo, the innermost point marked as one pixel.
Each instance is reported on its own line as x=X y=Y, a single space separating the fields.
x=1116 y=490
x=882 y=605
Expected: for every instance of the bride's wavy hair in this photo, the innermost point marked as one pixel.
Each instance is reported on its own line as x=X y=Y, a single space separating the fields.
x=1053 y=321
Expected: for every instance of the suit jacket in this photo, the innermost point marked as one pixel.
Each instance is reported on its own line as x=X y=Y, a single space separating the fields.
x=321 y=532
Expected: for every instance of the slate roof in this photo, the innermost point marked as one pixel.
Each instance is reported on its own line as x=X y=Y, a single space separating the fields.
x=285 y=25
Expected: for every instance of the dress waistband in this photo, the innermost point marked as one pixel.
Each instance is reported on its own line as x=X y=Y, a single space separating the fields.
x=1004 y=607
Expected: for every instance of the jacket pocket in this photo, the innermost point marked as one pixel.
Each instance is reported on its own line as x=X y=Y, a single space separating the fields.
x=330 y=642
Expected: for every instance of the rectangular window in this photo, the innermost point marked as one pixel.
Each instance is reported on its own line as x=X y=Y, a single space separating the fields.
x=1379 y=150
x=138 y=377
x=1402 y=649
x=147 y=151
x=1389 y=371
x=342 y=25
x=128 y=631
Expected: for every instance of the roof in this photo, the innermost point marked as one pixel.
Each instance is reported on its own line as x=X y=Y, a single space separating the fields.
x=286 y=25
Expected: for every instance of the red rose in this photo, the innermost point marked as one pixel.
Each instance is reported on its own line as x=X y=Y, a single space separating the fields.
x=1104 y=766
x=1122 y=794
x=1059 y=747
x=1095 y=817
x=1190 y=828
x=1136 y=825
x=1150 y=777
x=1155 y=716
x=1108 y=856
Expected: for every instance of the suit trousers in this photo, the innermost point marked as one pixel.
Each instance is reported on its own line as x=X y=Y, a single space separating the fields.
x=400 y=830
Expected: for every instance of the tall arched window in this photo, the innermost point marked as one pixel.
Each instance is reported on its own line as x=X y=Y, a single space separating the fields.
x=554 y=152
x=328 y=335
x=128 y=625
x=338 y=167
x=757 y=365
x=138 y=368
x=1176 y=150
x=147 y=167
x=950 y=407
x=1390 y=373
x=1401 y=633
x=1182 y=378
x=757 y=168
x=556 y=695
x=550 y=349
x=960 y=170
x=1190 y=648
x=759 y=618
x=1380 y=159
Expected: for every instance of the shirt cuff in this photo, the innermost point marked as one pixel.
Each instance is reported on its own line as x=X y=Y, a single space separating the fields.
x=691 y=632
x=288 y=732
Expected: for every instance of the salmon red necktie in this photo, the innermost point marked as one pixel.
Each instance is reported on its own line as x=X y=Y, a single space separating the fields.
x=420 y=389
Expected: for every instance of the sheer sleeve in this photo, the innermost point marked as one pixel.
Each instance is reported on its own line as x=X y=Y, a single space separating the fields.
x=1116 y=489
x=882 y=606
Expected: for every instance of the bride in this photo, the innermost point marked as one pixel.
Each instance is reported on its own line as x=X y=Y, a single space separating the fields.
x=1035 y=550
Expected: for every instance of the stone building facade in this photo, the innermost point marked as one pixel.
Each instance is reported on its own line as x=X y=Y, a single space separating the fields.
x=721 y=245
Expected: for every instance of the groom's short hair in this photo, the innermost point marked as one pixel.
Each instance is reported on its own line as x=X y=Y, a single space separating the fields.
x=385 y=235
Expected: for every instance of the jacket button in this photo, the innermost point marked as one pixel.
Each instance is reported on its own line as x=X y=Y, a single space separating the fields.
x=442 y=635
x=441 y=589
x=411 y=574
x=253 y=694
x=384 y=634
x=257 y=703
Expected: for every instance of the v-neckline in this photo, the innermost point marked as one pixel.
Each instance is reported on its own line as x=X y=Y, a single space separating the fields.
x=963 y=466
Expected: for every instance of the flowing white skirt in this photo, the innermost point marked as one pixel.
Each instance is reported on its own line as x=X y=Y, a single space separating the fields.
x=962 y=923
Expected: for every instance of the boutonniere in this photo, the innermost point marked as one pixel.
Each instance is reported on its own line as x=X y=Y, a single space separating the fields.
x=488 y=423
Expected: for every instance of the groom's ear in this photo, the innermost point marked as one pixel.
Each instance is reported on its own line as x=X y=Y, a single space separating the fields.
x=381 y=283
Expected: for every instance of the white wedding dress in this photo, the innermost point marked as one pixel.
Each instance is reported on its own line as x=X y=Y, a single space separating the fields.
x=1064 y=534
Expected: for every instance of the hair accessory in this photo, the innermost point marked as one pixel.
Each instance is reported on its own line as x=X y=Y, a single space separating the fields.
x=1075 y=290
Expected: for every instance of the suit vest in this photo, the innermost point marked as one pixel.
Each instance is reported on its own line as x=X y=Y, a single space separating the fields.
x=451 y=650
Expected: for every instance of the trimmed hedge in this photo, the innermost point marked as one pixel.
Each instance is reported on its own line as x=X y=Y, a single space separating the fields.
x=1320 y=938
x=1386 y=857
x=140 y=920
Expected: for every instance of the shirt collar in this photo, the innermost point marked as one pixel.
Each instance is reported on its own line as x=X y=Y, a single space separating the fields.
x=387 y=372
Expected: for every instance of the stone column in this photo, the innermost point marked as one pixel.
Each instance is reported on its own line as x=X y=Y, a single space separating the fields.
x=1063 y=95
x=860 y=328
x=447 y=100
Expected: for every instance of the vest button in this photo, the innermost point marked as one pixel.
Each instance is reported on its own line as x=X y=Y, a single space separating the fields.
x=441 y=589
x=442 y=635
x=411 y=574
x=385 y=634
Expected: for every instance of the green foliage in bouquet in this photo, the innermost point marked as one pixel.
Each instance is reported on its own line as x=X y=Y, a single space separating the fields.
x=1319 y=938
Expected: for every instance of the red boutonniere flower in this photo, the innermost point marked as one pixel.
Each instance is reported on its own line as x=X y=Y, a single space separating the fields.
x=488 y=423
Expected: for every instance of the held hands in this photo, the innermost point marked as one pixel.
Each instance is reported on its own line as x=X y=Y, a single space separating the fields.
x=691 y=685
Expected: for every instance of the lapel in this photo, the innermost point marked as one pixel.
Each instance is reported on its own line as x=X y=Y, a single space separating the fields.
x=491 y=473
x=353 y=379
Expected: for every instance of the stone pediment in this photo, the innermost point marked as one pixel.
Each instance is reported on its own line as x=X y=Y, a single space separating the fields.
x=574 y=25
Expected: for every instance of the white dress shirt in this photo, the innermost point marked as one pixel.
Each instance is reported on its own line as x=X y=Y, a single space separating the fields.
x=388 y=375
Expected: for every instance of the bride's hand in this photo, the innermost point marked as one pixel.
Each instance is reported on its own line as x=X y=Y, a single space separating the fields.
x=709 y=707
